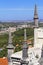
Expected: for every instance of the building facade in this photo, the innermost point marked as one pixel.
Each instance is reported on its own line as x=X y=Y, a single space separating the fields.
x=38 y=37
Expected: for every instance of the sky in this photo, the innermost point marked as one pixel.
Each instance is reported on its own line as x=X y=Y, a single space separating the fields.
x=20 y=9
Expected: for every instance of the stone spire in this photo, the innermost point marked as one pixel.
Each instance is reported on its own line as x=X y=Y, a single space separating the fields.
x=35 y=17
x=25 y=50
x=35 y=12
x=10 y=37
x=25 y=37
x=25 y=47
x=10 y=46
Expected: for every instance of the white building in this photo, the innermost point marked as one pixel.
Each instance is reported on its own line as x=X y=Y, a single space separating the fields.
x=38 y=37
x=12 y=29
x=32 y=52
x=22 y=26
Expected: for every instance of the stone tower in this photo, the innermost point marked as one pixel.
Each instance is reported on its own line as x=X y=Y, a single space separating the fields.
x=41 y=59
x=35 y=17
x=10 y=46
x=25 y=46
x=24 y=50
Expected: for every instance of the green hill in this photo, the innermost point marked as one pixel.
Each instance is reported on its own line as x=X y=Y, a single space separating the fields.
x=18 y=38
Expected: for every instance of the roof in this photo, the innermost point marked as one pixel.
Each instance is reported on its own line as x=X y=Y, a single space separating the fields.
x=29 y=41
x=3 y=61
x=17 y=54
x=32 y=52
x=10 y=46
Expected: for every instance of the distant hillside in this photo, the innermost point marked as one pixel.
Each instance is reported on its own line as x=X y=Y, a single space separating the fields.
x=19 y=22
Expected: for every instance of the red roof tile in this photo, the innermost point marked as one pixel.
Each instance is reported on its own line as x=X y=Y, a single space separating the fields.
x=3 y=61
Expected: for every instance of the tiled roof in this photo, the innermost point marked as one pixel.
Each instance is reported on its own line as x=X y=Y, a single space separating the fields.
x=29 y=41
x=3 y=61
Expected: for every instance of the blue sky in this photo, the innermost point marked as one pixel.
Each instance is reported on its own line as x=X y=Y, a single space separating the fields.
x=20 y=9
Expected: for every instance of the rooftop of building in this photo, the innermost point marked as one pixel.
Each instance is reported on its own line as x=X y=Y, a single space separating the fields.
x=32 y=53
x=3 y=61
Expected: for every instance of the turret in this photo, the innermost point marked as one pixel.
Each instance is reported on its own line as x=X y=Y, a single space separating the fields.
x=24 y=50
x=10 y=46
x=25 y=46
x=35 y=17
